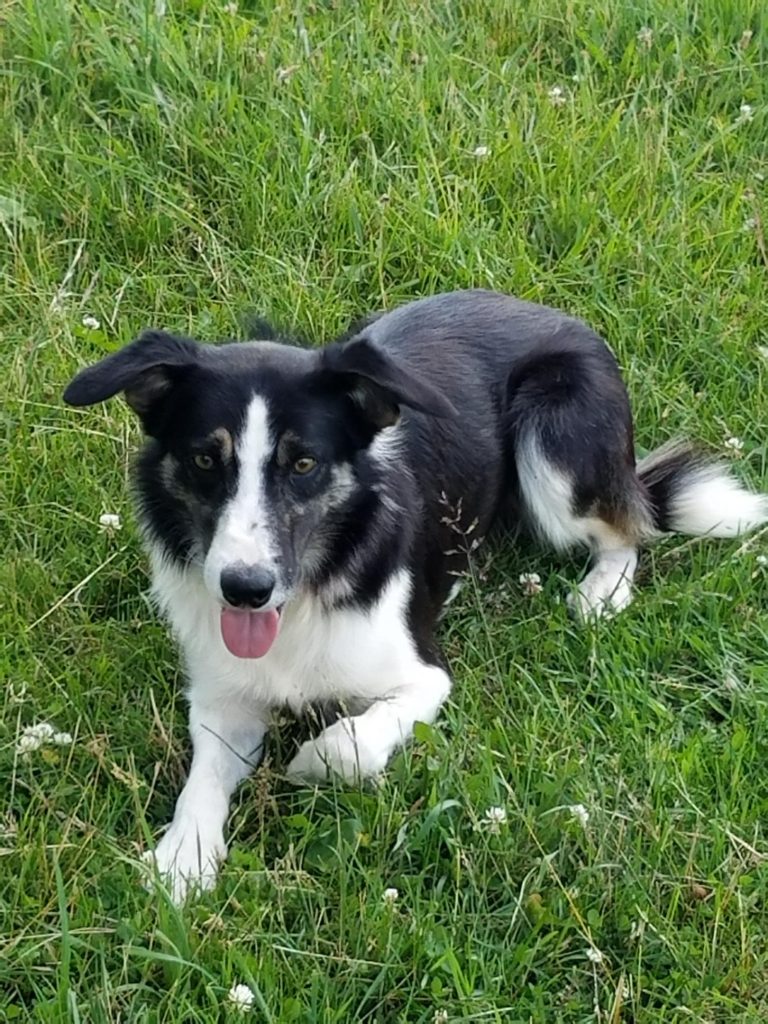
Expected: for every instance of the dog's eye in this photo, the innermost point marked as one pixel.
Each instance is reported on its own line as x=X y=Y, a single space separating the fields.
x=304 y=465
x=203 y=461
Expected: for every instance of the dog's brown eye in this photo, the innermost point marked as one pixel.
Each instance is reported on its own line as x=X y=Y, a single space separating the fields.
x=203 y=461
x=304 y=465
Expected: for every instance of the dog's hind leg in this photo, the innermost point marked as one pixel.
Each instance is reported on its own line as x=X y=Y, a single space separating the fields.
x=607 y=587
x=570 y=430
x=550 y=498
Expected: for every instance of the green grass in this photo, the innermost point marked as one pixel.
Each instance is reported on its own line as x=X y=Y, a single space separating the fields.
x=170 y=171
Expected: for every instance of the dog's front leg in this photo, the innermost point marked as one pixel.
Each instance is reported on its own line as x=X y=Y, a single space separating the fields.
x=227 y=743
x=359 y=746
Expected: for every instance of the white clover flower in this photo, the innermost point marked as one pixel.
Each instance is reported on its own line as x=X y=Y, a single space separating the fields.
x=580 y=813
x=734 y=443
x=645 y=37
x=746 y=113
x=91 y=323
x=160 y=8
x=493 y=819
x=109 y=522
x=594 y=954
x=530 y=583
x=231 y=9
x=43 y=731
x=749 y=225
x=480 y=152
x=27 y=743
x=440 y=1017
x=241 y=997
x=762 y=560
x=34 y=737
x=390 y=896
x=557 y=96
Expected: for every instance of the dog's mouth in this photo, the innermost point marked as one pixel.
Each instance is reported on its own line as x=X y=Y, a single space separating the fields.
x=247 y=633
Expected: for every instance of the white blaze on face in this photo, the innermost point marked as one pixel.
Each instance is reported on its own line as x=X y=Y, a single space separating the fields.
x=243 y=533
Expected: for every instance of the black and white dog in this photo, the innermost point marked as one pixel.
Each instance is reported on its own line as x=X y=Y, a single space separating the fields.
x=307 y=512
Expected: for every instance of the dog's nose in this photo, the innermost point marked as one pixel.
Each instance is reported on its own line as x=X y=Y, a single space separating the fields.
x=247 y=586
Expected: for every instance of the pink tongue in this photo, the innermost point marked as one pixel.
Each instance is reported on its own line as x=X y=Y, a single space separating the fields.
x=249 y=634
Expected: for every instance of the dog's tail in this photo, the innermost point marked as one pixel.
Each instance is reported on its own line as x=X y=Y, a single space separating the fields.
x=691 y=493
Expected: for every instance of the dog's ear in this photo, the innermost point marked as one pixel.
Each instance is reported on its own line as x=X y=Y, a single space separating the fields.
x=145 y=370
x=377 y=384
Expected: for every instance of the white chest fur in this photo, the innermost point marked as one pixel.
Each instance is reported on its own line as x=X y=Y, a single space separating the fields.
x=347 y=654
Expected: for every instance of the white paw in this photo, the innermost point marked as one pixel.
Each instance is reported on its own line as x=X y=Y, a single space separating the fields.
x=607 y=588
x=339 y=750
x=188 y=858
x=600 y=596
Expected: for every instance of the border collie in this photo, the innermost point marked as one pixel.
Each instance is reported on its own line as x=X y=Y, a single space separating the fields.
x=307 y=513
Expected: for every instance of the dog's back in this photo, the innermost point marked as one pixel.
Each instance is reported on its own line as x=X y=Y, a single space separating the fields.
x=545 y=428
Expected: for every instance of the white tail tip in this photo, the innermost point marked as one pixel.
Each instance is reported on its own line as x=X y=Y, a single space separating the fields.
x=709 y=502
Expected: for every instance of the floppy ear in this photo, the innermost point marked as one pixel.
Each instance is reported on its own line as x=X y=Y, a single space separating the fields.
x=378 y=384
x=145 y=370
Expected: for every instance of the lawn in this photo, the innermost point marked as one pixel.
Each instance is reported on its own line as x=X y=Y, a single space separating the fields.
x=186 y=164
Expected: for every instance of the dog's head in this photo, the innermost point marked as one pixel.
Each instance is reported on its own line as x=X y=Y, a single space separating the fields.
x=256 y=451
